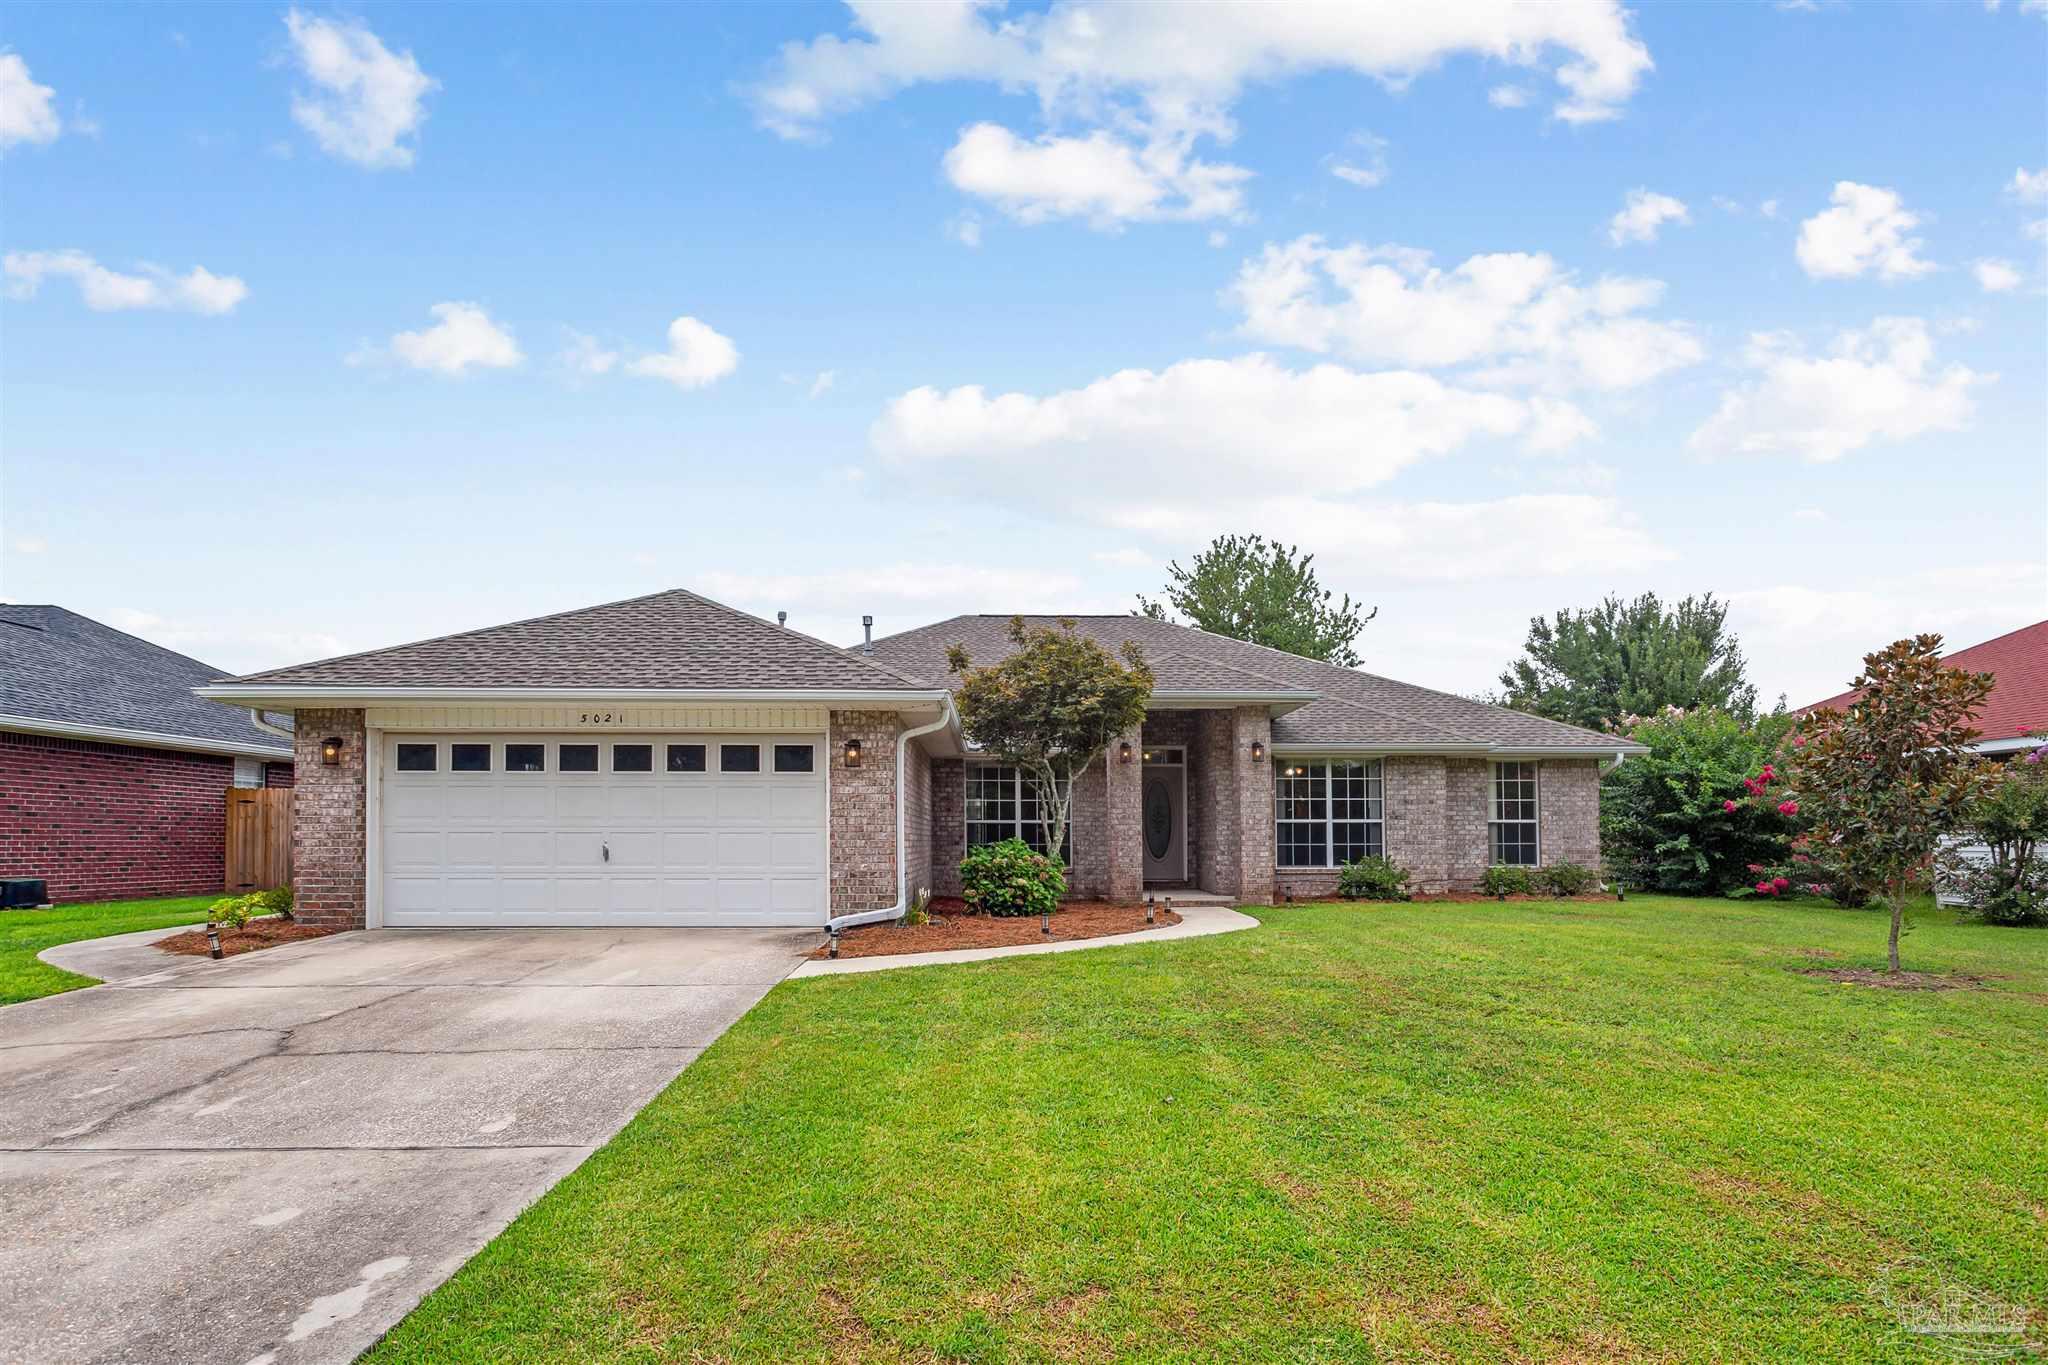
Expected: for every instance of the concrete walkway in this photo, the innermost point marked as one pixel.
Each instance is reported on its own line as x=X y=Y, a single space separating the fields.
x=118 y=957
x=1196 y=921
x=272 y=1158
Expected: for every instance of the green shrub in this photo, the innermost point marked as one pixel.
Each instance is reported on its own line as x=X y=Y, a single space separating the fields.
x=1504 y=880
x=2008 y=821
x=1373 y=879
x=276 y=901
x=1666 y=822
x=1007 y=878
x=232 y=912
x=1567 y=879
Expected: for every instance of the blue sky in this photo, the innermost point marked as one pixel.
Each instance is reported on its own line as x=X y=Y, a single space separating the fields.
x=1493 y=308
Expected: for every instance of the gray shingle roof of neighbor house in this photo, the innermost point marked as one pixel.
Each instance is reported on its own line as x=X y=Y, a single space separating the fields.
x=666 y=640
x=65 y=673
x=1349 y=707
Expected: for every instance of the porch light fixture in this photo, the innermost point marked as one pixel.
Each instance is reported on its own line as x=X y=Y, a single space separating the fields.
x=1123 y=752
x=853 y=753
x=330 y=752
x=1258 y=751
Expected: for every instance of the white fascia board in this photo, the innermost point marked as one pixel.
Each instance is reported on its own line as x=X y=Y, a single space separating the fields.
x=284 y=698
x=2009 y=746
x=1305 y=749
x=144 y=739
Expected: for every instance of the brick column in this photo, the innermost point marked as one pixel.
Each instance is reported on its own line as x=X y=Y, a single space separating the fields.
x=328 y=813
x=1253 y=782
x=1123 y=820
x=863 y=874
x=1416 y=835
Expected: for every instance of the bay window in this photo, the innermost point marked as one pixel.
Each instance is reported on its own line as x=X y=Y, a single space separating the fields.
x=1328 y=812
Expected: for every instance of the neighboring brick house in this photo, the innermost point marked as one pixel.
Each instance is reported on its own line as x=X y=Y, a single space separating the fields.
x=671 y=761
x=112 y=774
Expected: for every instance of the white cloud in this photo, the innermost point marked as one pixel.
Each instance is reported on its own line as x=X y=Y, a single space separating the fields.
x=1365 y=164
x=585 y=355
x=237 y=645
x=965 y=229
x=1864 y=231
x=198 y=290
x=2030 y=187
x=696 y=356
x=368 y=101
x=1727 y=205
x=1100 y=177
x=1128 y=557
x=823 y=383
x=1643 y=213
x=1875 y=384
x=463 y=338
x=900 y=595
x=1509 y=97
x=1183 y=66
x=1812 y=638
x=1995 y=276
x=1175 y=448
x=1520 y=310
x=30 y=545
x=1768 y=208
x=1534 y=535
x=26 y=114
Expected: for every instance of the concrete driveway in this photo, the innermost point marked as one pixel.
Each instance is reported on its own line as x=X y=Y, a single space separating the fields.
x=274 y=1157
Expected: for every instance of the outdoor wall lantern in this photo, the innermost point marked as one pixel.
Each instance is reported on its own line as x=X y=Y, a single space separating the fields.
x=330 y=751
x=1258 y=751
x=853 y=753
x=1123 y=752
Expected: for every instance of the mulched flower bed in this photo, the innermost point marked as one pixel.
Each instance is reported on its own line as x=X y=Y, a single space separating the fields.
x=257 y=933
x=1897 y=981
x=952 y=927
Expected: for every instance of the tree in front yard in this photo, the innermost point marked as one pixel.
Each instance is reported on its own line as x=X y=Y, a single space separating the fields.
x=1049 y=708
x=1881 y=781
x=1666 y=822
x=1253 y=589
x=1619 y=659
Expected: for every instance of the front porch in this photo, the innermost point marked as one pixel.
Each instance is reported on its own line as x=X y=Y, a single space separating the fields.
x=1181 y=807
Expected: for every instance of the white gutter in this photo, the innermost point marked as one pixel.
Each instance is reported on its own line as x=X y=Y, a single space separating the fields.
x=839 y=922
x=142 y=739
x=1601 y=751
x=256 y=716
x=282 y=696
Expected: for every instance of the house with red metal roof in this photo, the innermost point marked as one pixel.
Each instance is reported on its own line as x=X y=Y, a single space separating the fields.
x=2015 y=716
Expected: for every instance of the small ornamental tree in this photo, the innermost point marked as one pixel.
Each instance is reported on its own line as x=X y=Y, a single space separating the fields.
x=1049 y=708
x=1880 y=782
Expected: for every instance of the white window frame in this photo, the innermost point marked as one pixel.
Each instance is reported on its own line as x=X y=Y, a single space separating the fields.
x=1495 y=821
x=1373 y=773
x=1017 y=821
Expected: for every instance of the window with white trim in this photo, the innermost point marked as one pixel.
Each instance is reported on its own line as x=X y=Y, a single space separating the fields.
x=1327 y=813
x=1002 y=803
x=1511 y=826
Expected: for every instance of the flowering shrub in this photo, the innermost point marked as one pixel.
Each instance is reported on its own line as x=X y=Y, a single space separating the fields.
x=1685 y=818
x=1007 y=878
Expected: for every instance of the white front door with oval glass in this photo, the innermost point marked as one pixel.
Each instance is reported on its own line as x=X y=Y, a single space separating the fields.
x=1163 y=797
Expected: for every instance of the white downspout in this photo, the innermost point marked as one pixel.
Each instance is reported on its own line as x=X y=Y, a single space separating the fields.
x=839 y=922
x=1620 y=757
x=256 y=715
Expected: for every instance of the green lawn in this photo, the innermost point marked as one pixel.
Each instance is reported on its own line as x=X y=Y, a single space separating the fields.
x=1431 y=1132
x=24 y=933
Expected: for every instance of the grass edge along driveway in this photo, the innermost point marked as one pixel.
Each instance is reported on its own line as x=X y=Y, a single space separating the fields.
x=1444 y=1131
x=24 y=933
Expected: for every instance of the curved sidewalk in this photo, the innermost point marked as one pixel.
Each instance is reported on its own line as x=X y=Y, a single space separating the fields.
x=117 y=957
x=1196 y=921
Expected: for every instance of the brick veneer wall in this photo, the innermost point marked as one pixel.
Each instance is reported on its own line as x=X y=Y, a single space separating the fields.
x=949 y=824
x=917 y=818
x=1468 y=800
x=1088 y=872
x=863 y=811
x=278 y=775
x=328 y=813
x=1254 y=783
x=1568 y=812
x=1123 y=824
x=1216 y=836
x=112 y=821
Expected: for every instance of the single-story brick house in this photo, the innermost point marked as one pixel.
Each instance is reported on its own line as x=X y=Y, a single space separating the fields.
x=112 y=774
x=668 y=760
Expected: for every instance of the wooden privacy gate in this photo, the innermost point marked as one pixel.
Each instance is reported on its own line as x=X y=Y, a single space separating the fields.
x=259 y=838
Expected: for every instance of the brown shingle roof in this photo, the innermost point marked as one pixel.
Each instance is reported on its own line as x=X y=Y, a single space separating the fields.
x=672 y=639
x=1353 y=707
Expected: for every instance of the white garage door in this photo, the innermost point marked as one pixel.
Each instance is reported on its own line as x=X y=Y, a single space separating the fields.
x=662 y=829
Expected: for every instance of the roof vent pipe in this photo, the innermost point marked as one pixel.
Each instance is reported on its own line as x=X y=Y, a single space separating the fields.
x=782 y=618
x=867 y=633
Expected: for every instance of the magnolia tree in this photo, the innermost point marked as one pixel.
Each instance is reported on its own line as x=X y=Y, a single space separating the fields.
x=1049 y=708
x=1880 y=782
